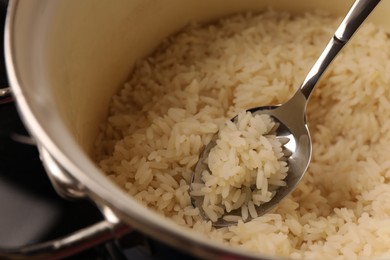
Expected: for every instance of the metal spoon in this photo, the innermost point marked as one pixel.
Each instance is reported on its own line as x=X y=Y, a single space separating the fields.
x=291 y=116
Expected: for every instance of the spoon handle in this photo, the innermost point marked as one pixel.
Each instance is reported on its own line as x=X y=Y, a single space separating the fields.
x=352 y=21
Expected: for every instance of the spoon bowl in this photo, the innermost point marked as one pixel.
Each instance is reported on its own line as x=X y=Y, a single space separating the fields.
x=292 y=130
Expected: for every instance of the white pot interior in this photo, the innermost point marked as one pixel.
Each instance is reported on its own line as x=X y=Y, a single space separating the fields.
x=70 y=57
x=81 y=53
x=90 y=47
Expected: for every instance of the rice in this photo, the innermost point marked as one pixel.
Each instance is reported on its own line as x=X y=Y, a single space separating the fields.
x=245 y=167
x=178 y=97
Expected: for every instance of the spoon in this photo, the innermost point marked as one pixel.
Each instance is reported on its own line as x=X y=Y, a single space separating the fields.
x=290 y=117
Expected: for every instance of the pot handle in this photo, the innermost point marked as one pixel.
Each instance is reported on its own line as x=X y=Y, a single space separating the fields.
x=5 y=95
x=91 y=236
x=74 y=243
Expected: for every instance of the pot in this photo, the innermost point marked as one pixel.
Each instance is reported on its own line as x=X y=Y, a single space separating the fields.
x=65 y=60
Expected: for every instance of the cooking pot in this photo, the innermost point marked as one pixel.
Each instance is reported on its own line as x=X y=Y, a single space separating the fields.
x=65 y=59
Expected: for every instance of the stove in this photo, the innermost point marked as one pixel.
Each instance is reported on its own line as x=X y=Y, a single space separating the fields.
x=31 y=210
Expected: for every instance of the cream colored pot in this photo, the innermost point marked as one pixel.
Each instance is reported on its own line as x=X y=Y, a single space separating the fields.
x=66 y=59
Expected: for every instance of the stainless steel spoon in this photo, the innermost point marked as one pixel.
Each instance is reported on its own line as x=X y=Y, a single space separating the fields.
x=291 y=115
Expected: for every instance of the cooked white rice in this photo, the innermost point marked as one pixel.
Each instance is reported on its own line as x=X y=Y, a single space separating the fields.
x=177 y=98
x=245 y=168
